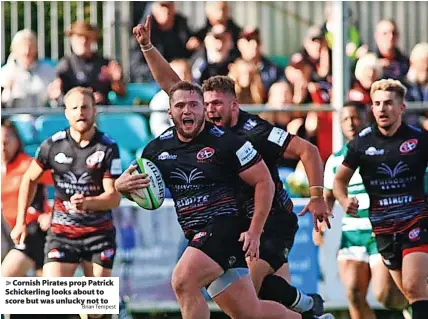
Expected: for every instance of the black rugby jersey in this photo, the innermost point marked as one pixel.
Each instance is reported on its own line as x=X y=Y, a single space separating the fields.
x=392 y=168
x=270 y=142
x=77 y=169
x=202 y=174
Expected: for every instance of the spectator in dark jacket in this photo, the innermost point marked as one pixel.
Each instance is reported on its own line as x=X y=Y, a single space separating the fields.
x=395 y=64
x=85 y=67
x=250 y=47
x=217 y=14
x=170 y=34
x=215 y=57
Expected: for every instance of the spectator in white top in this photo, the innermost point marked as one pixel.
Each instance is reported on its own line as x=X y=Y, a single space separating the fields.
x=159 y=121
x=24 y=78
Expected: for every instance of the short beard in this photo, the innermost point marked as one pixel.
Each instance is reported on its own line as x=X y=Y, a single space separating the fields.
x=179 y=127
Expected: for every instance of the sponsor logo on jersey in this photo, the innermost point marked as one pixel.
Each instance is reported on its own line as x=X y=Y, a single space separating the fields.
x=408 y=146
x=107 y=254
x=94 y=159
x=414 y=234
x=59 y=136
x=398 y=200
x=61 y=158
x=393 y=172
x=55 y=254
x=250 y=124
x=278 y=136
x=116 y=167
x=166 y=135
x=246 y=153
x=216 y=131
x=166 y=156
x=188 y=178
x=193 y=201
x=371 y=151
x=205 y=153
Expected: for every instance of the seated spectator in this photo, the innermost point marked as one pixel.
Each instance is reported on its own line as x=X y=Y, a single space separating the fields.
x=217 y=13
x=298 y=73
x=170 y=34
x=354 y=48
x=248 y=82
x=317 y=54
x=416 y=82
x=250 y=47
x=215 y=57
x=367 y=71
x=24 y=78
x=395 y=64
x=85 y=67
x=160 y=121
x=280 y=95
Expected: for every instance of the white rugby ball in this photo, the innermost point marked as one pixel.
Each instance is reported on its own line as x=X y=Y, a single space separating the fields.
x=152 y=197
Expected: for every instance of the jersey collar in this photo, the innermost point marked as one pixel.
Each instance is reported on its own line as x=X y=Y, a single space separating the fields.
x=399 y=132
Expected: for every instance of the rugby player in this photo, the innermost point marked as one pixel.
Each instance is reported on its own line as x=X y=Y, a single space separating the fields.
x=202 y=165
x=84 y=163
x=392 y=158
x=358 y=257
x=270 y=273
x=21 y=258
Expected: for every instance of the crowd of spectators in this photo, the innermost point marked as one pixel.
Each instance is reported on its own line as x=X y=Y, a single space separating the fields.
x=222 y=47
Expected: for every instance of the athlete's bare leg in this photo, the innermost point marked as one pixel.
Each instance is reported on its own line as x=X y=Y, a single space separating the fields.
x=240 y=300
x=259 y=269
x=284 y=272
x=56 y=269
x=16 y=264
x=194 y=270
x=414 y=276
x=384 y=288
x=355 y=276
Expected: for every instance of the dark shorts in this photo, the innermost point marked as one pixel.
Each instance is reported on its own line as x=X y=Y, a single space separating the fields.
x=278 y=239
x=394 y=247
x=34 y=244
x=219 y=241
x=99 y=249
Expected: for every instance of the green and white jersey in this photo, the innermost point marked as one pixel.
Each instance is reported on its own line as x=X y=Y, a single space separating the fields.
x=355 y=189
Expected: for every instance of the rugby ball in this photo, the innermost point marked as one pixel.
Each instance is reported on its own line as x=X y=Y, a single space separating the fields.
x=152 y=197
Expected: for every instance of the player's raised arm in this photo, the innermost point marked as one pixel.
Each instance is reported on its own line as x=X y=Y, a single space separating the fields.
x=160 y=68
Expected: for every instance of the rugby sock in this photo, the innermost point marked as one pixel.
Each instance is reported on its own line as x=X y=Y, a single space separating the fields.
x=278 y=289
x=420 y=309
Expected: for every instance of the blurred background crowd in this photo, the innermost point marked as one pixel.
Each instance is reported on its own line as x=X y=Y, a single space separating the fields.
x=220 y=47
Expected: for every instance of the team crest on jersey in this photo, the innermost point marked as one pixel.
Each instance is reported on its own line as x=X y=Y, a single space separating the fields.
x=250 y=124
x=414 y=234
x=205 y=153
x=166 y=135
x=96 y=158
x=408 y=146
